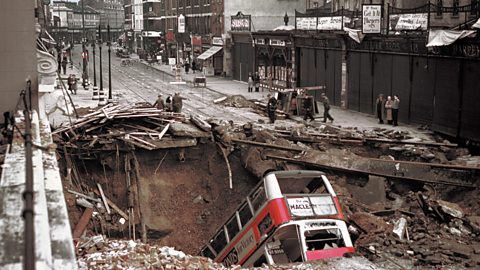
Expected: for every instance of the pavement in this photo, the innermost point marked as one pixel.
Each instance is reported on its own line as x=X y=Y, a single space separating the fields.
x=227 y=87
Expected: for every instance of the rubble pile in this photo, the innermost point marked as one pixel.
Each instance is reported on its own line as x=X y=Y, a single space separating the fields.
x=424 y=230
x=114 y=126
x=100 y=253
x=238 y=101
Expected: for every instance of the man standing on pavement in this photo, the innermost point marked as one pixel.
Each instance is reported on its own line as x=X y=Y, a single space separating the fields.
x=177 y=103
x=256 y=80
x=395 y=107
x=271 y=108
x=380 y=104
x=159 y=104
x=326 y=108
x=308 y=107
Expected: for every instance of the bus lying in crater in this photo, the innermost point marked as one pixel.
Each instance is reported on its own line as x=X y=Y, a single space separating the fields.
x=290 y=216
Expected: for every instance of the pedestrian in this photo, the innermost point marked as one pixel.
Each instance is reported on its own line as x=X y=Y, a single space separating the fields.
x=256 y=80
x=168 y=104
x=159 y=104
x=395 y=107
x=64 y=65
x=308 y=107
x=388 y=110
x=326 y=108
x=187 y=66
x=380 y=104
x=72 y=80
x=271 y=108
x=177 y=103
x=194 y=65
x=59 y=61
x=250 y=82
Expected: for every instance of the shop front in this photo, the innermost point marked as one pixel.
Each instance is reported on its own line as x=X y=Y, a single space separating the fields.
x=212 y=58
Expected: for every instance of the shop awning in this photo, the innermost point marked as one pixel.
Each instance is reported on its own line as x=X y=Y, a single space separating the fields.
x=210 y=52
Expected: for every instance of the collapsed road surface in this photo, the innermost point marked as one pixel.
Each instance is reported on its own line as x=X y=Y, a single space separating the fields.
x=171 y=181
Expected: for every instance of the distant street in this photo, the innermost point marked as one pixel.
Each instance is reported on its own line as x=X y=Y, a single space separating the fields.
x=141 y=83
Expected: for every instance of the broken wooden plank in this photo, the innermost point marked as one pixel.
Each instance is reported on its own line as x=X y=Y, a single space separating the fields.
x=218 y=100
x=142 y=141
x=200 y=123
x=164 y=131
x=268 y=145
x=82 y=223
x=83 y=195
x=187 y=130
x=135 y=143
x=104 y=199
x=115 y=207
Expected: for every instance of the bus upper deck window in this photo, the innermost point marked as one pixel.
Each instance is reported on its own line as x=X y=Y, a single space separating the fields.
x=258 y=198
x=232 y=227
x=206 y=252
x=219 y=242
x=245 y=214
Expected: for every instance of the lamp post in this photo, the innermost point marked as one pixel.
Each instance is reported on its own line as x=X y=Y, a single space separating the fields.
x=84 y=55
x=109 y=64
x=94 y=67
x=100 y=50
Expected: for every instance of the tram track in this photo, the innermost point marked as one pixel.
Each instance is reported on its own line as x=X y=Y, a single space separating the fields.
x=146 y=82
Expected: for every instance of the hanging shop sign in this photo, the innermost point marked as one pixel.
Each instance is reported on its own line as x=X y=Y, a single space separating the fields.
x=309 y=23
x=217 y=41
x=197 y=40
x=409 y=21
x=332 y=23
x=181 y=23
x=240 y=22
x=371 y=19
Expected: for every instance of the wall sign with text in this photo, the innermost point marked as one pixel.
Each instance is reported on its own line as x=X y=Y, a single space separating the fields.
x=371 y=19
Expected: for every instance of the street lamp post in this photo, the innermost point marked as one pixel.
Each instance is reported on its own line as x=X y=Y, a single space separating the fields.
x=94 y=67
x=100 y=50
x=84 y=55
x=109 y=64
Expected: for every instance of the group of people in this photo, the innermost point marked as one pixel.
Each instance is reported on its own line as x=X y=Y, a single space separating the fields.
x=187 y=66
x=253 y=81
x=171 y=104
x=388 y=109
x=307 y=107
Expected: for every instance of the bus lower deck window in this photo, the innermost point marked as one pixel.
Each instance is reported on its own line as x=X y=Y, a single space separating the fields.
x=324 y=239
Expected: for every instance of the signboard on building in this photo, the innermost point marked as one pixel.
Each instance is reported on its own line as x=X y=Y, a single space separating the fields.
x=240 y=22
x=409 y=21
x=170 y=36
x=181 y=23
x=309 y=23
x=197 y=40
x=217 y=41
x=332 y=23
x=371 y=19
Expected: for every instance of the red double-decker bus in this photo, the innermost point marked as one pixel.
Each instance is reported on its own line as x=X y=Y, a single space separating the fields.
x=290 y=216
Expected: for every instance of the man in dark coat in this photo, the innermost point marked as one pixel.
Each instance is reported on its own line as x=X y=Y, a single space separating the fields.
x=177 y=103
x=308 y=107
x=271 y=108
x=159 y=104
x=326 y=108
x=380 y=104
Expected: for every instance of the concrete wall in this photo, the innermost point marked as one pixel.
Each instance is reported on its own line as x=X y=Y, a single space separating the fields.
x=266 y=14
x=17 y=50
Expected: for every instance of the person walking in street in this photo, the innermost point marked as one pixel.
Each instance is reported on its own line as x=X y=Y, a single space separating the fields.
x=326 y=108
x=177 y=103
x=250 y=82
x=395 y=107
x=271 y=108
x=72 y=84
x=256 y=80
x=159 y=104
x=388 y=110
x=64 y=65
x=194 y=65
x=380 y=104
x=308 y=107
x=187 y=66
